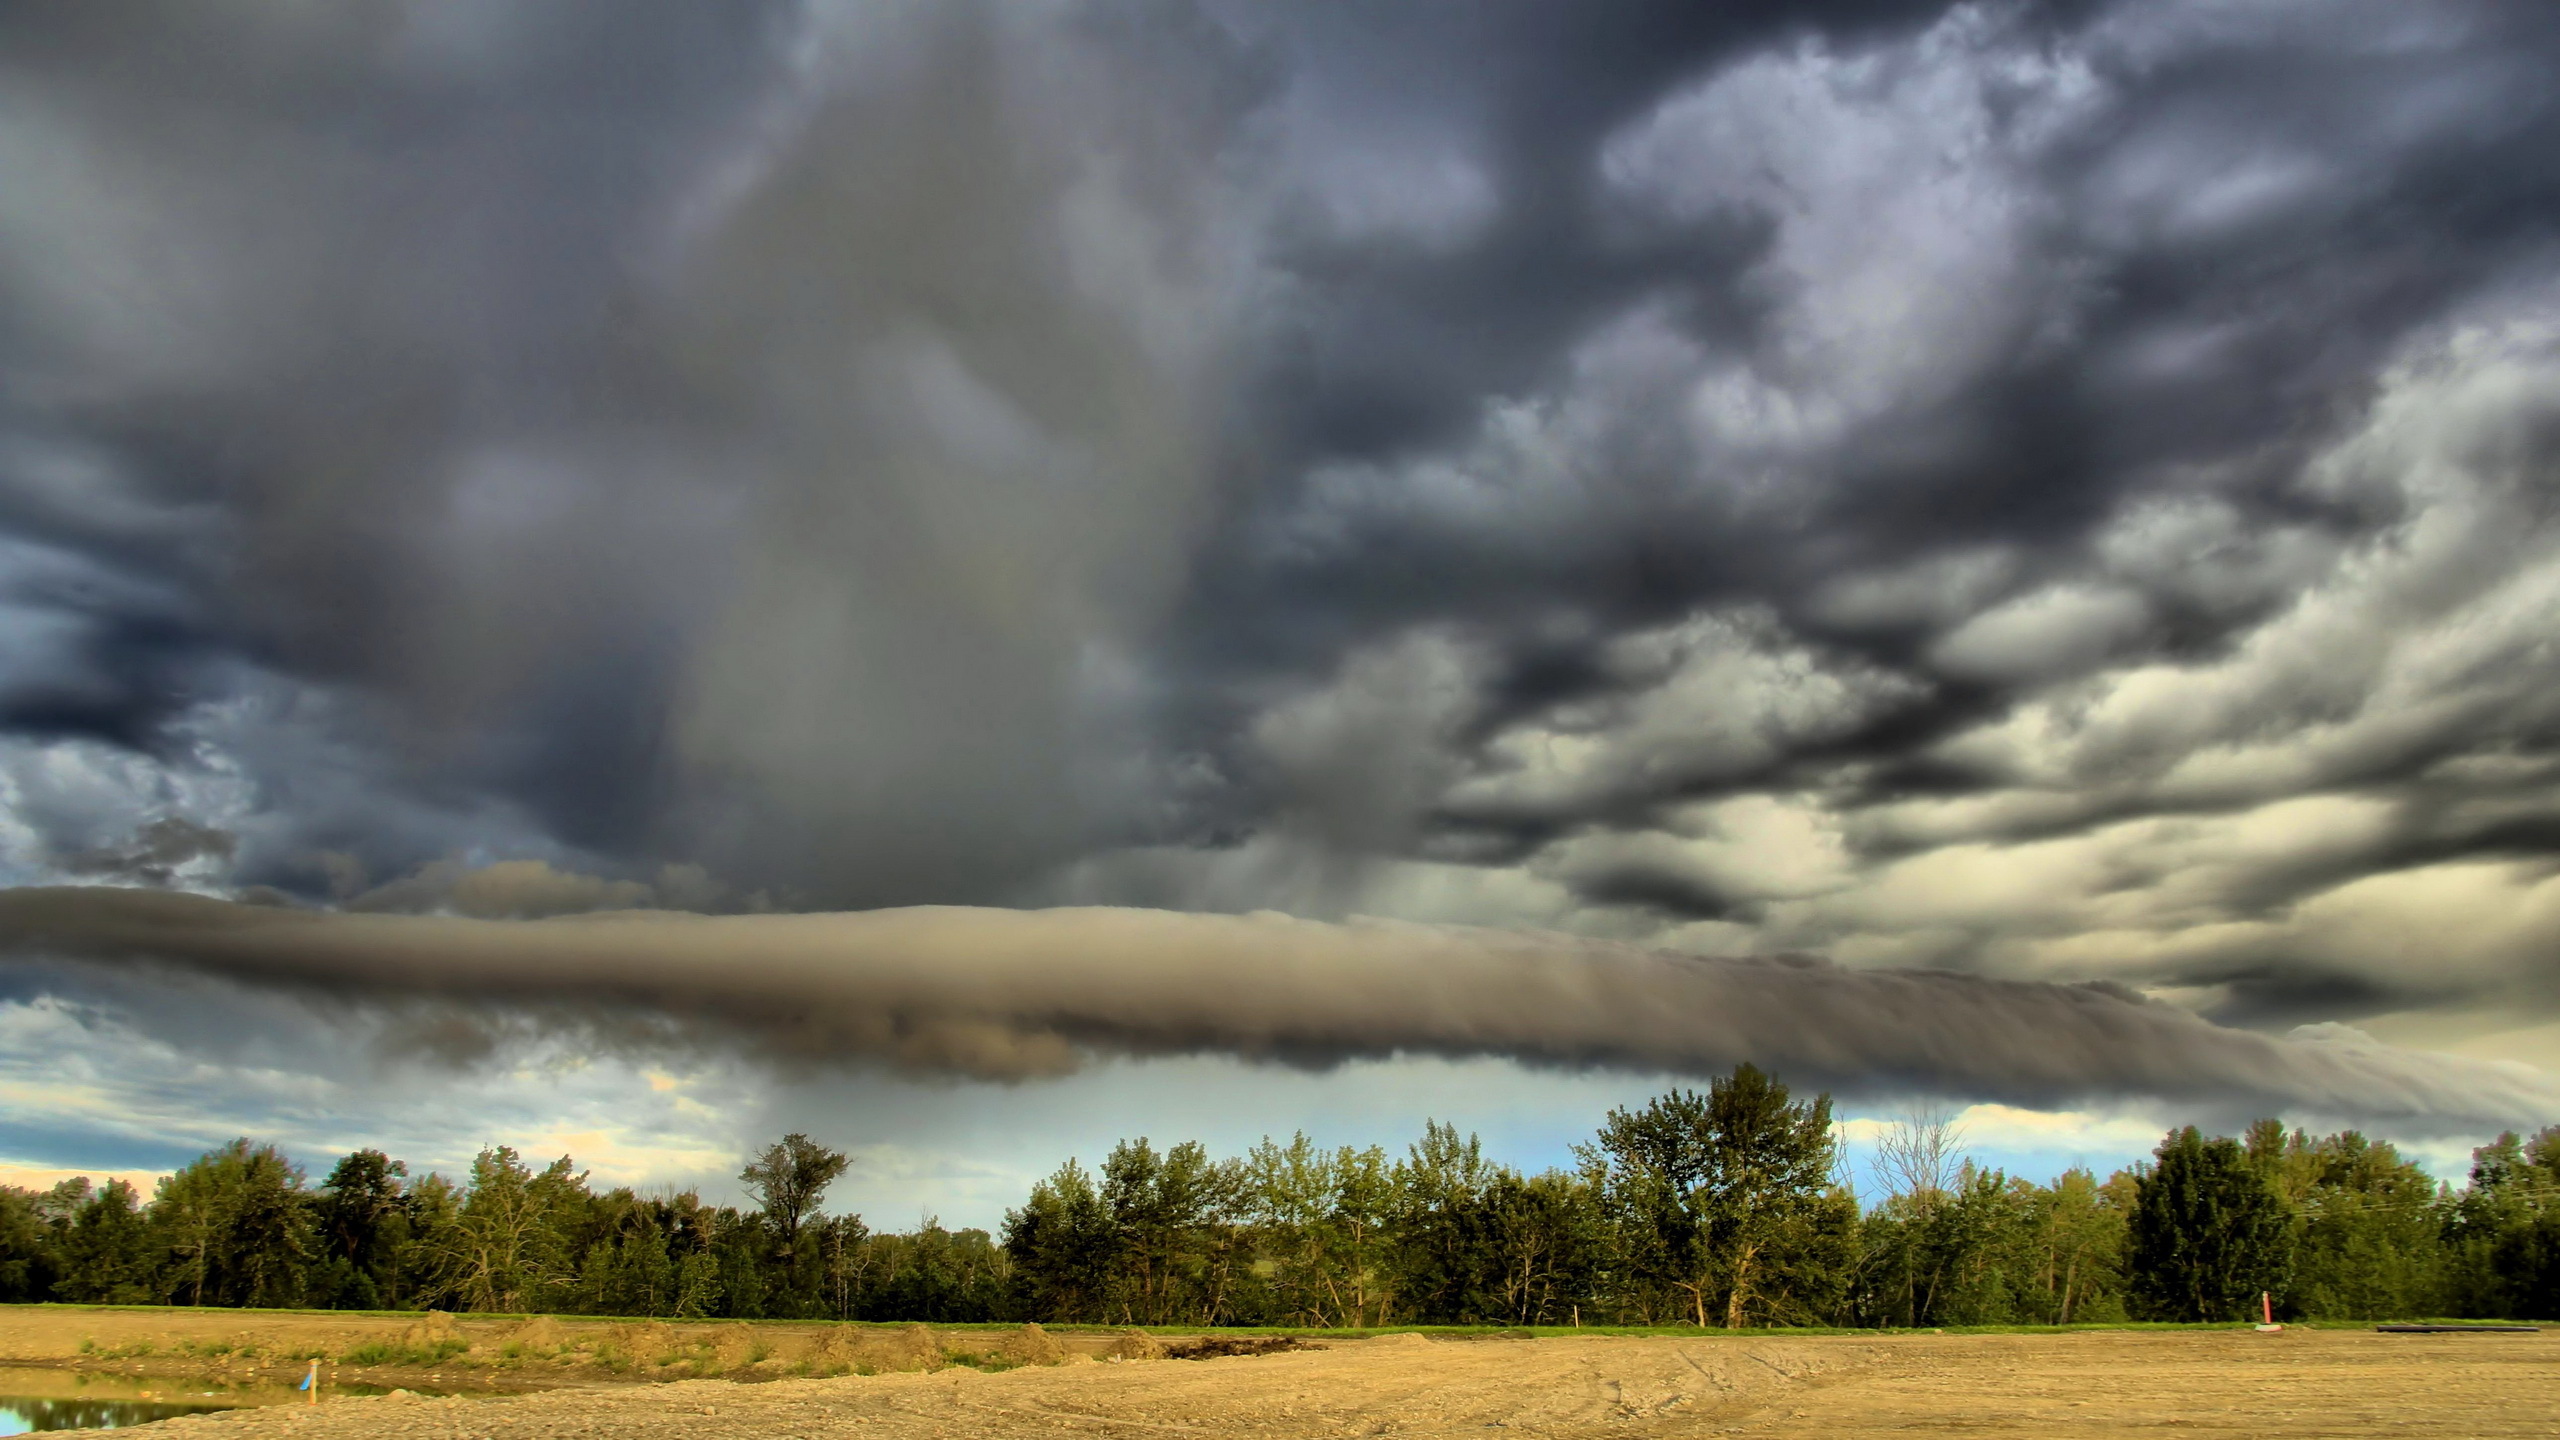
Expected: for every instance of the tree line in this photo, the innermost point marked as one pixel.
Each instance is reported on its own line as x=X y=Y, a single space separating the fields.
x=1728 y=1207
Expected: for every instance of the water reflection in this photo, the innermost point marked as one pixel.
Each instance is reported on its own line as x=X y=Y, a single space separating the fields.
x=20 y=1416
x=40 y=1398
x=36 y=1397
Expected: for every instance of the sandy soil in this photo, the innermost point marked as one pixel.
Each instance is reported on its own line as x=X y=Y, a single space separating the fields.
x=2299 y=1383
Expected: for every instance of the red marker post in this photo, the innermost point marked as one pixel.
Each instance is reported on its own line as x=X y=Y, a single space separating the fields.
x=2267 y=1314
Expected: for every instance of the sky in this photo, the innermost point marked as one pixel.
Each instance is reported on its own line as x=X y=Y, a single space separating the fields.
x=976 y=579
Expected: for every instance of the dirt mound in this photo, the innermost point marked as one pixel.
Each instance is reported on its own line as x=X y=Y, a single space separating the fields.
x=880 y=1352
x=1136 y=1345
x=835 y=1351
x=431 y=1329
x=1218 y=1347
x=541 y=1333
x=1401 y=1340
x=1000 y=1350
x=915 y=1348
x=1031 y=1345
x=734 y=1346
x=645 y=1343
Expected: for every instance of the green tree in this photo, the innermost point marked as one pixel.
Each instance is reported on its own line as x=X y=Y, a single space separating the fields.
x=1733 y=1197
x=1440 y=1189
x=28 y=1267
x=1357 y=1234
x=1925 y=1251
x=788 y=1179
x=1989 y=1242
x=2208 y=1232
x=364 y=1227
x=1478 y=1242
x=420 y=1267
x=647 y=1256
x=2367 y=1230
x=1168 y=1212
x=844 y=1255
x=106 y=1250
x=629 y=1268
x=1320 y=1219
x=506 y=1246
x=1288 y=1197
x=1542 y=1238
x=939 y=1276
x=1943 y=1255
x=1064 y=1246
x=2502 y=1235
x=2080 y=1238
x=236 y=1226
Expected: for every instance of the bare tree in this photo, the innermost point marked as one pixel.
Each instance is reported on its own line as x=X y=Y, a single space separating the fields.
x=1918 y=1155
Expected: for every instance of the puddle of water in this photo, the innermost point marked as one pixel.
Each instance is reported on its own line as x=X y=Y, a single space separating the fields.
x=18 y=1416
x=34 y=1398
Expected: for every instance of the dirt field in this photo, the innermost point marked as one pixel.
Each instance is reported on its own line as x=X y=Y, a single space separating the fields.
x=2299 y=1383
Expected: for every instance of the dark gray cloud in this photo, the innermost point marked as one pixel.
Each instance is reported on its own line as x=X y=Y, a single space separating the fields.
x=1010 y=994
x=2055 y=492
x=156 y=853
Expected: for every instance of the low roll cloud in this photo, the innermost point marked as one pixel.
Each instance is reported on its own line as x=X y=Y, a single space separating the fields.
x=1018 y=995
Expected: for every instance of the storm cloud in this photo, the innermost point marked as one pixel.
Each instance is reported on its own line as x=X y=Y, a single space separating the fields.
x=2002 y=496
x=1014 y=995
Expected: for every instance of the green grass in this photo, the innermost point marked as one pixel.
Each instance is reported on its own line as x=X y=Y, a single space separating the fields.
x=393 y=1352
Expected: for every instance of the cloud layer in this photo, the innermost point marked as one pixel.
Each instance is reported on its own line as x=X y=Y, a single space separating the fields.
x=1010 y=995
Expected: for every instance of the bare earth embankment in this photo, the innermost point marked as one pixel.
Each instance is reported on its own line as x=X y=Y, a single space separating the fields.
x=2238 y=1383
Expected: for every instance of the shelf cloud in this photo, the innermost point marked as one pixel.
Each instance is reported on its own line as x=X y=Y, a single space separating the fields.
x=1016 y=995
